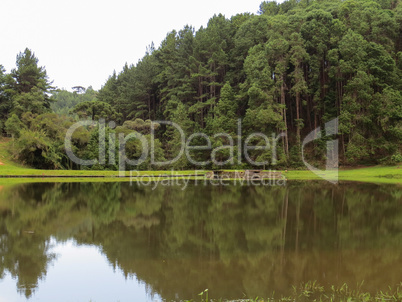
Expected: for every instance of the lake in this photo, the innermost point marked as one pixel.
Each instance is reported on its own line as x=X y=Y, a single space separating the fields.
x=130 y=242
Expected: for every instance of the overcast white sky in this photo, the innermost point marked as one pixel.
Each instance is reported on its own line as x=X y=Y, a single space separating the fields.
x=81 y=42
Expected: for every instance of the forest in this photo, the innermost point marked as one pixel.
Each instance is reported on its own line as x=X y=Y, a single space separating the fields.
x=289 y=69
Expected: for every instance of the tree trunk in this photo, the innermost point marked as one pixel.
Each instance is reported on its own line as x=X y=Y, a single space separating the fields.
x=286 y=141
x=298 y=117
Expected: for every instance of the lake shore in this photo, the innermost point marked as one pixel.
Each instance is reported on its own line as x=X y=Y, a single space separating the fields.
x=15 y=174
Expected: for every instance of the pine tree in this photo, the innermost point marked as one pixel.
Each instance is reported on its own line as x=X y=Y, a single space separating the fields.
x=30 y=85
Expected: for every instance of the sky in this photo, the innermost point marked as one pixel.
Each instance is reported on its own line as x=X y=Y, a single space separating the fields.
x=81 y=42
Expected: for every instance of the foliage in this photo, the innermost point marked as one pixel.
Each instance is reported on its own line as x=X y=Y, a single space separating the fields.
x=291 y=69
x=29 y=85
x=96 y=110
x=39 y=142
x=66 y=100
x=13 y=126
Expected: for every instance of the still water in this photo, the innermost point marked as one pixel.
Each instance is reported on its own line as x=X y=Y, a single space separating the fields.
x=122 y=242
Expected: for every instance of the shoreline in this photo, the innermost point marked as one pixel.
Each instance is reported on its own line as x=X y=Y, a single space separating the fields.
x=377 y=174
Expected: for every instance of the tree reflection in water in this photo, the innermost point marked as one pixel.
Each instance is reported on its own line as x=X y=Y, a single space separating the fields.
x=234 y=240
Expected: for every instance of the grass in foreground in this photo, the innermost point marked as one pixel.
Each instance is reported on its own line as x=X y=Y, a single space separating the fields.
x=312 y=291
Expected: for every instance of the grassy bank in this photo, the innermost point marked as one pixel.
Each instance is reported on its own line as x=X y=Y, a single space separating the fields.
x=377 y=174
x=390 y=175
x=312 y=291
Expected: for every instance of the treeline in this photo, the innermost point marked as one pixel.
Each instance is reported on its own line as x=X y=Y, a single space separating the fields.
x=290 y=69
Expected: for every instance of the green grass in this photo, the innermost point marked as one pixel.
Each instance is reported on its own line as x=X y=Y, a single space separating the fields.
x=83 y=173
x=312 y=291
x=377 y=174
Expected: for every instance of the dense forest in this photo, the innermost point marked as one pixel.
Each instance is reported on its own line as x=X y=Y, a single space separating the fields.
x=288 y=69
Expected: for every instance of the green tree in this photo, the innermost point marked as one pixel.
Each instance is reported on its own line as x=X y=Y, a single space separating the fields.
x=224 y=120
x=13 y=126
x=66 y=100
x=298 y=58
x=39 y=140
x=5 y=99
x=35 y=149
x=96 y=110
x=30 y=85
x=175 y=143
x=109 y=91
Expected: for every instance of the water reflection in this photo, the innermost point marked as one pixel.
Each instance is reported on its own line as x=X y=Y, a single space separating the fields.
x=233 y=240
x=82 y=273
